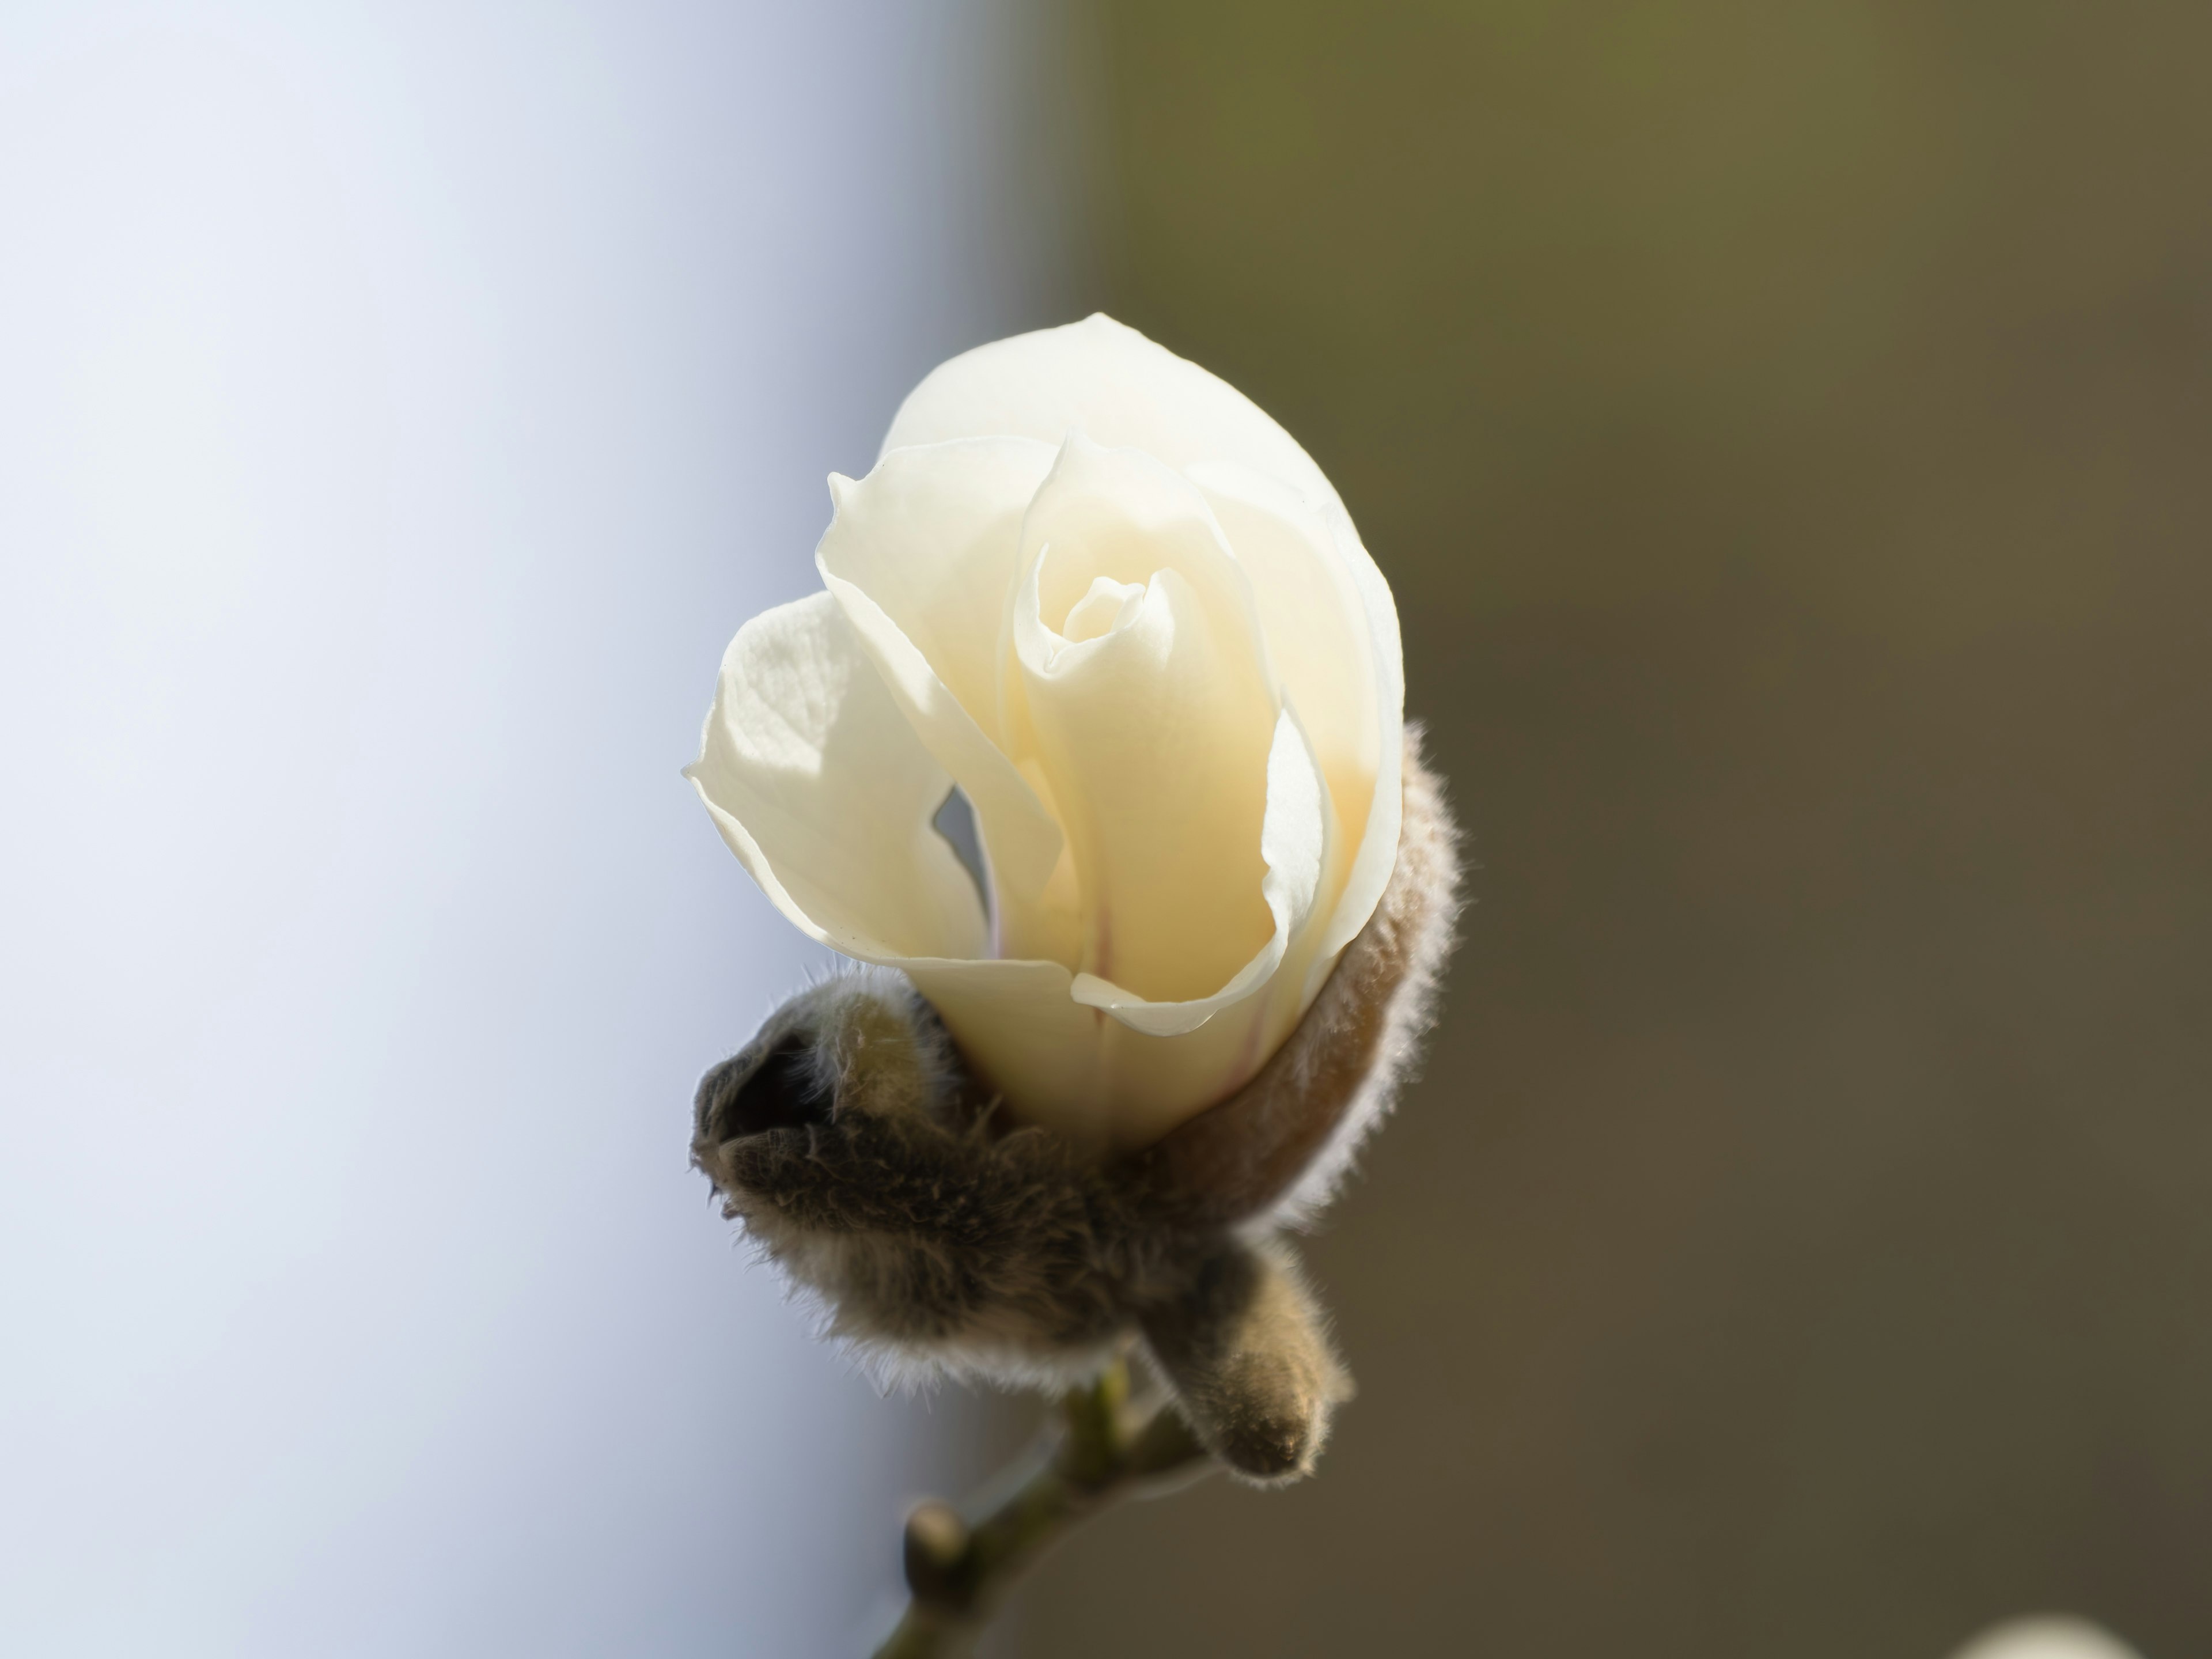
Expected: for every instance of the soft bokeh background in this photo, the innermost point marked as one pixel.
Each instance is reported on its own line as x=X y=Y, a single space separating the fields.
x=400 y=406
x=1786 y=429
x=1789 y=431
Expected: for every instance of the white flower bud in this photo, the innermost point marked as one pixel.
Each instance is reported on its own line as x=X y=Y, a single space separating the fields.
x=1104 y=594
x=2049 y=1637
x=1099 y=591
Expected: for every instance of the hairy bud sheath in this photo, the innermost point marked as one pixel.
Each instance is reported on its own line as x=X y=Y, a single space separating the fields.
x=853 y=1145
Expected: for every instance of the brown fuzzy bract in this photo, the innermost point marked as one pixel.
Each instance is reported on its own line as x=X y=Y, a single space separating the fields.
x=848 y=1137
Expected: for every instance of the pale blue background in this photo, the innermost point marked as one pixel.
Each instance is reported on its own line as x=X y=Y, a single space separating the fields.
x=400 y=405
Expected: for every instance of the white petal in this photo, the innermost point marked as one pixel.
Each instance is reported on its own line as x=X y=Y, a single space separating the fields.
x=1104 y=379
x=933 y=536
x=826 y=795
x=1295 y=843
x=1333 y=636
x=921 y=556
x=1318 y=636
x=1153 y=737
x=1076 y=1069
x=1378 y=841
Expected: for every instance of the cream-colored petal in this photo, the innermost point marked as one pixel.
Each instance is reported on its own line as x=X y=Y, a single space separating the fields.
x=1318 y=636
x=921 y=556
x=1154 y=736
x=1370 y=866
x=1099 y=612
x=934 y=535
x=1102 y=378
x=1332 y=635
x=826 y=795
x=1295 y=844
x=1108 y=380
x=1076 y=1069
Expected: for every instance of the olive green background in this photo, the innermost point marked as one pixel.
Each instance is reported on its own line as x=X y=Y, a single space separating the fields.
x=1787 y=430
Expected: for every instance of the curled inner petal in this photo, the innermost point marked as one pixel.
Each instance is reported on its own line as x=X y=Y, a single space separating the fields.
x=1149 y=713
x=1101 y=609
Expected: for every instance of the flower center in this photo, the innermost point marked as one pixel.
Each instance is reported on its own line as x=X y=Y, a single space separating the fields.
x=1101 y=609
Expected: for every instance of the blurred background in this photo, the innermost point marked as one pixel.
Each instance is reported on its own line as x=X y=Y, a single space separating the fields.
x=1786 y=429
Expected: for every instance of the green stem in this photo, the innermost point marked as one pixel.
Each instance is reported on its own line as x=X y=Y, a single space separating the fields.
x=959 y=1572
